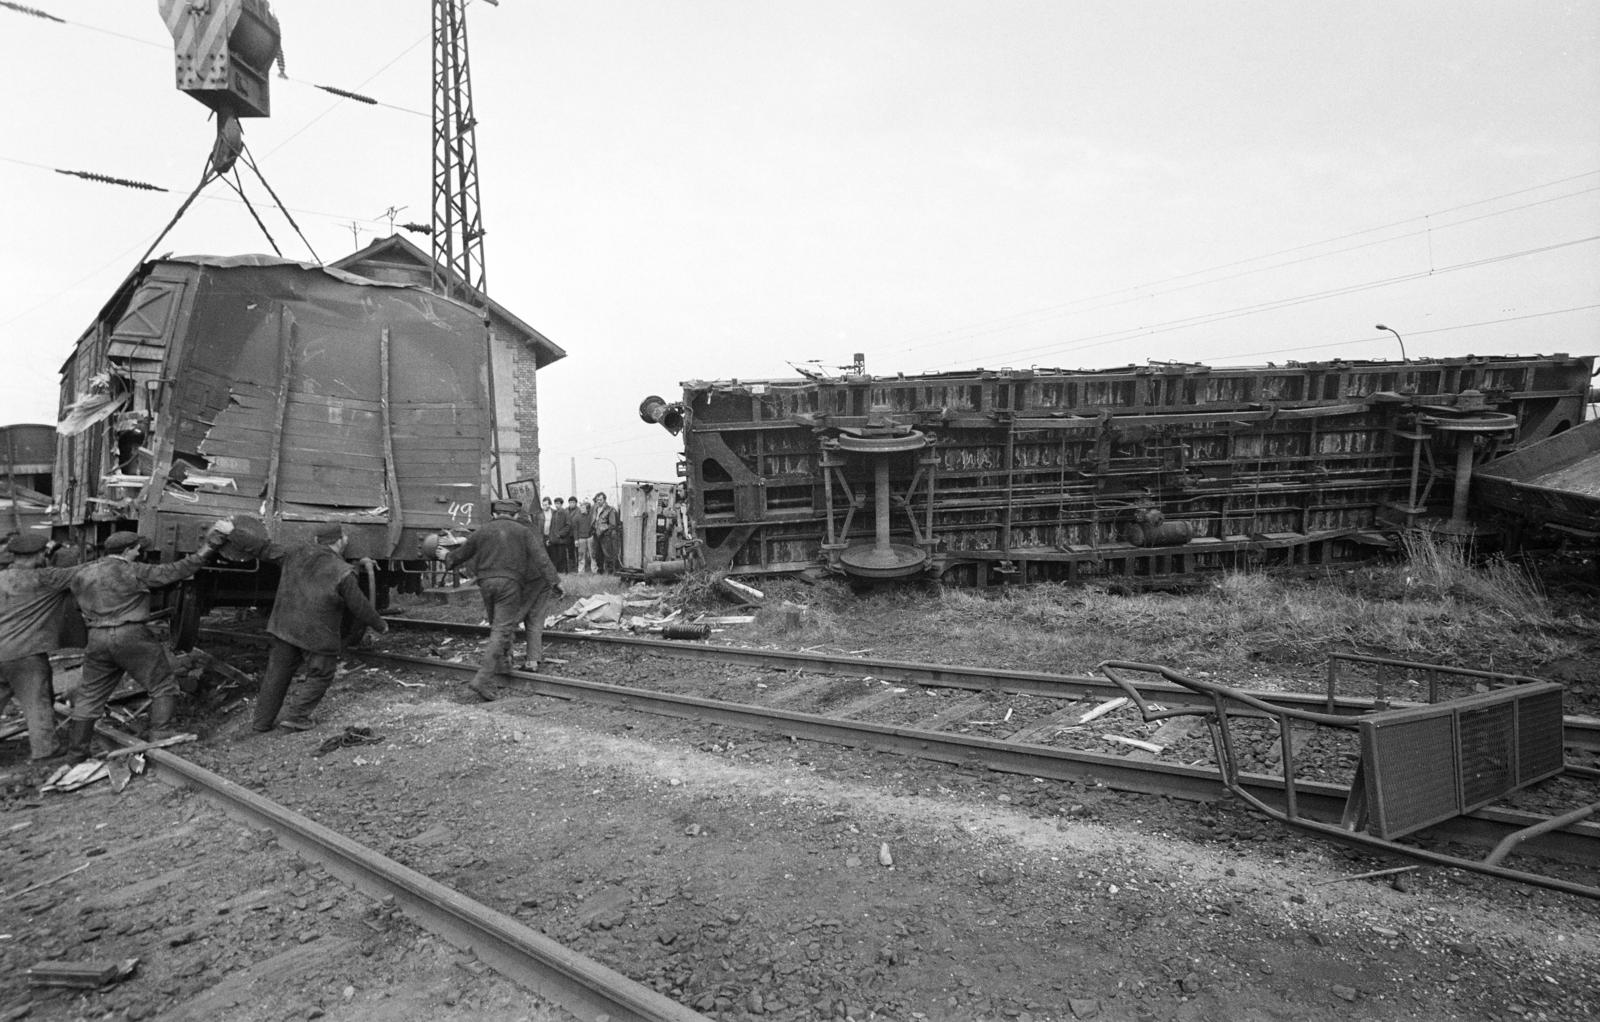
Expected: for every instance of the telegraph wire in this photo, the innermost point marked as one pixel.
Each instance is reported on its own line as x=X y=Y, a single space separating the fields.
x=33 y=11
x=160 y=188
x=1138 y=291
x=361 y=84
x=1113 y=336
x=167 y=46
x=1409 y=333
x=1018 y=322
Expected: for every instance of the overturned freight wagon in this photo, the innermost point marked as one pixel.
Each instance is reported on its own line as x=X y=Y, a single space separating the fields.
x=296 y=394
x=1046 y=474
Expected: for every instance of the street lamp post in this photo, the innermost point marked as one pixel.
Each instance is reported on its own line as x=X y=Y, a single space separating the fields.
x=616 y=483
x=1397 y=337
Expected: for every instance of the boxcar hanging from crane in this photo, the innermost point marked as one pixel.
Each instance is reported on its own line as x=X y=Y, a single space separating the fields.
x=297 y=394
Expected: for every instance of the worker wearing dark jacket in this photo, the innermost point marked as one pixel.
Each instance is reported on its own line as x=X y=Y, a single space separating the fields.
x=316 y=588
x=114 y=595
x=607 y=535
x=32 y=599
x=516 y=579
x=559 y=537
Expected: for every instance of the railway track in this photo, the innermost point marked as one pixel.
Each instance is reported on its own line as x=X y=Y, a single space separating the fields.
x=1010 y=750
x=575 y=983
x=1581 y=733
x=503 y=943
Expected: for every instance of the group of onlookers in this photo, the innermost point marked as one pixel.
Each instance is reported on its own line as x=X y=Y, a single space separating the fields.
x=582 y=537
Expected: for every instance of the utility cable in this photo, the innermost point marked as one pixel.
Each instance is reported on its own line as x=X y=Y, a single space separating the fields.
x=1111 y=337
x=32 y=11
x=1023 y=320
x=167 y=46
x=1144 y=289
x=1409 y=333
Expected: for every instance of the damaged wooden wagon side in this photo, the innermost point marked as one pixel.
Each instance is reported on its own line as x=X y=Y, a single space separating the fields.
x=301 y=395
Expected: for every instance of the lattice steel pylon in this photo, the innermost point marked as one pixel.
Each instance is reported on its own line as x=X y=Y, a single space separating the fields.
x=457 y=218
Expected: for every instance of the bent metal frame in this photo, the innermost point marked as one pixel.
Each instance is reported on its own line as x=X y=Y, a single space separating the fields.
x=1418 y=764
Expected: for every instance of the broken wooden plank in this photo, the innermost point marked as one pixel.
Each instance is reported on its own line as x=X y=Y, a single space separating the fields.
x=1150 y=747
x=227 y=670
x=1104 y=708
x=78 y=975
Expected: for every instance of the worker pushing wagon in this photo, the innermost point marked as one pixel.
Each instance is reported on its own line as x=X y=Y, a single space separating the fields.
x=317 y=588
x=114 y=595
x=517 y=580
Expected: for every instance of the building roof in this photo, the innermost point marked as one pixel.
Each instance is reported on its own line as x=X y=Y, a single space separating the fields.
x=396 y=260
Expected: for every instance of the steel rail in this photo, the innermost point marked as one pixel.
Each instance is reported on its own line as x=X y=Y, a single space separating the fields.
x=576 y=983
x=1578 y=732
x=1485 y=827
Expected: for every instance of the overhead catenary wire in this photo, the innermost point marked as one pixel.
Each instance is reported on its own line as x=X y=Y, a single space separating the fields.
x=1411 y=333
x=1143 y=292
x=283 y=75
x=1113 y=336
x=31 y=11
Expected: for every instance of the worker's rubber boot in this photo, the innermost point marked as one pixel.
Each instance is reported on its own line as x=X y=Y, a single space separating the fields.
x=80 y=733
x=162 y=710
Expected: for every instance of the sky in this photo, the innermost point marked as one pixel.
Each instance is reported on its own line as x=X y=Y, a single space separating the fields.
x=714 y=189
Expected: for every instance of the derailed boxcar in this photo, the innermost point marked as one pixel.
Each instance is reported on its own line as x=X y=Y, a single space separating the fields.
x=27 y=459
x=1048 y=474
x=296 y=394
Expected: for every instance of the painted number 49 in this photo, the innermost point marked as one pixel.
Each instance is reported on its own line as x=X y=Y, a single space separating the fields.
x=461 y=514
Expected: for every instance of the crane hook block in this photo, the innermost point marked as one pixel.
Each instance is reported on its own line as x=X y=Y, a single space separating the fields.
x=223 y=51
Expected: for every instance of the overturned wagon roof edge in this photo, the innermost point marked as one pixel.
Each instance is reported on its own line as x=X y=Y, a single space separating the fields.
x=1150 y=368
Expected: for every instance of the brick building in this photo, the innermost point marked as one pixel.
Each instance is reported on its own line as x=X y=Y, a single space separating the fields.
x=517 y=353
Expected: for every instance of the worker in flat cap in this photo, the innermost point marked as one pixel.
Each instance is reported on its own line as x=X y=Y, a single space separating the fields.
x=33 y=599
x=113 y=593
x=516 y=580
x=317 y=588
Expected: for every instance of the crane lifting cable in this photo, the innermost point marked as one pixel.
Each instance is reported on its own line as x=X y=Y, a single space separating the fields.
x=223 y=52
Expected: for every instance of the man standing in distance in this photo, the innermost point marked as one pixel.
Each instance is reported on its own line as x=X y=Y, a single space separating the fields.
x=316 y=588
x=569 y=545
x=559 y=537
x=583 y=540
x=607 y=535
x=114 y=595
x=515 y=578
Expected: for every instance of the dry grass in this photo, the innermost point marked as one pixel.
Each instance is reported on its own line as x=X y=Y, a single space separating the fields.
x=1434 y=606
